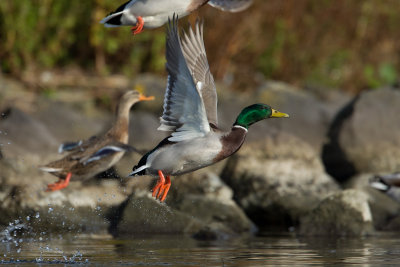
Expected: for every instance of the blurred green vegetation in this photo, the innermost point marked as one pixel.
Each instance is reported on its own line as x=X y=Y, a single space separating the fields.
x=352 y=45
x=55 y=33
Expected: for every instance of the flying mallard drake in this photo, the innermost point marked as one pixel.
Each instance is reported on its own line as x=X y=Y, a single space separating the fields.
x=155 y=13
x=97 y=154
x=190 y=112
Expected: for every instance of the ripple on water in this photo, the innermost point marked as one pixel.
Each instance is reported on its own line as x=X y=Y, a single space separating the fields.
x=184 y=251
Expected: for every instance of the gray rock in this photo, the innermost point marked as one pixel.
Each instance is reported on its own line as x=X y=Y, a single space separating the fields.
x=24 y=137
x=72 y=121
x=365 y=135
x=384 y=206
x=371 y=137
x=198 y=204
x=310 y=116
x=143 y=132
x=205 y=196
x=142 y=214
x=153 y=85
x=277 y=180
x=345 y=213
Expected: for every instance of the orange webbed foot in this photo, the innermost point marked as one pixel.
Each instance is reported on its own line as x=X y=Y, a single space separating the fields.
x=138 y=28
x=161 y=189
x=159 y=184
x=165 y=189
x=60 y=184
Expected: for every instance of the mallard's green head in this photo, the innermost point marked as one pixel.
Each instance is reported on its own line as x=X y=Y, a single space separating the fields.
x=257 y=112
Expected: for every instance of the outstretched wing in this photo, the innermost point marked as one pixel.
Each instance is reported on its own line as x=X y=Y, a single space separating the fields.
x=184 y=111
x=230 y=5
x=196 y=58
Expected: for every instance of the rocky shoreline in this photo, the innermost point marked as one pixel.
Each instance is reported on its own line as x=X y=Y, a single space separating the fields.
x=309 y=173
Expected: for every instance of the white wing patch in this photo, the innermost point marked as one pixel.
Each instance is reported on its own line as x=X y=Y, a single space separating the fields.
x=103 y=152
x=50 y=169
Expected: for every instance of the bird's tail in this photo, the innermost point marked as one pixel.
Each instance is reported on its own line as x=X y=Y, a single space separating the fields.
x=138 y=170
x=112 y=20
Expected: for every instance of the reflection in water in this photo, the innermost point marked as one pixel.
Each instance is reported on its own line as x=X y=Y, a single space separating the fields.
x=184 y=251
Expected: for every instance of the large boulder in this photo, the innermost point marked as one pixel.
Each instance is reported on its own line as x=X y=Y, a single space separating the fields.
x=198 y=204
x=310 y=114
x=344 y=213
x=142 y=214
x=277 y=180
x=365 y=135
x=71 y=119
x=24 y=137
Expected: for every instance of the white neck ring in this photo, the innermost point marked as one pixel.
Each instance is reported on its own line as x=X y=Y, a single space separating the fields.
x=238 y=126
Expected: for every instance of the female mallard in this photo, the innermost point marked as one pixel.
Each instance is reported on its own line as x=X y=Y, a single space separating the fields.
x=154 y=13
x=190 y=112
x=97 y=154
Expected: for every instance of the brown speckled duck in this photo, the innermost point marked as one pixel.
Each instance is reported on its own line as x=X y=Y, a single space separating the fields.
x=98 y=153
x=190 y=113
x=154 y=13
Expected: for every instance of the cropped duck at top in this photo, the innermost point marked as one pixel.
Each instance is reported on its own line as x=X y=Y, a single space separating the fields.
x=155 y=13
x=190 y=113
x=97 y=154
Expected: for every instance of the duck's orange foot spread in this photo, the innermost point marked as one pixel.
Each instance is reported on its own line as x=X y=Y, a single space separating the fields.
x=62 y=183
x=161 y=189
x=138 y=28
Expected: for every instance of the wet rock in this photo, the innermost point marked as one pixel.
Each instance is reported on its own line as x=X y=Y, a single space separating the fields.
x=277 y=180
x=81 y=208
x=345 y=213
x=142 y=214
x=383 y=205
x=198 y=204
x=366 y=135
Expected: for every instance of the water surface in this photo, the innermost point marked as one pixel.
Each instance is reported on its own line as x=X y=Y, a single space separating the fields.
x=268 y=250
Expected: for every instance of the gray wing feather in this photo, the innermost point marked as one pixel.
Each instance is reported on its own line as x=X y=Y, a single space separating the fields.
x=102 y=153
x=230 y=5
x=184 y=111
x=196 y=58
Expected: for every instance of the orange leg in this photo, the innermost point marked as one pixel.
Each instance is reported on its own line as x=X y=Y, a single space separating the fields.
x=138 y=28
x=62 y=183
x=165 y=188
x=160 y=183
